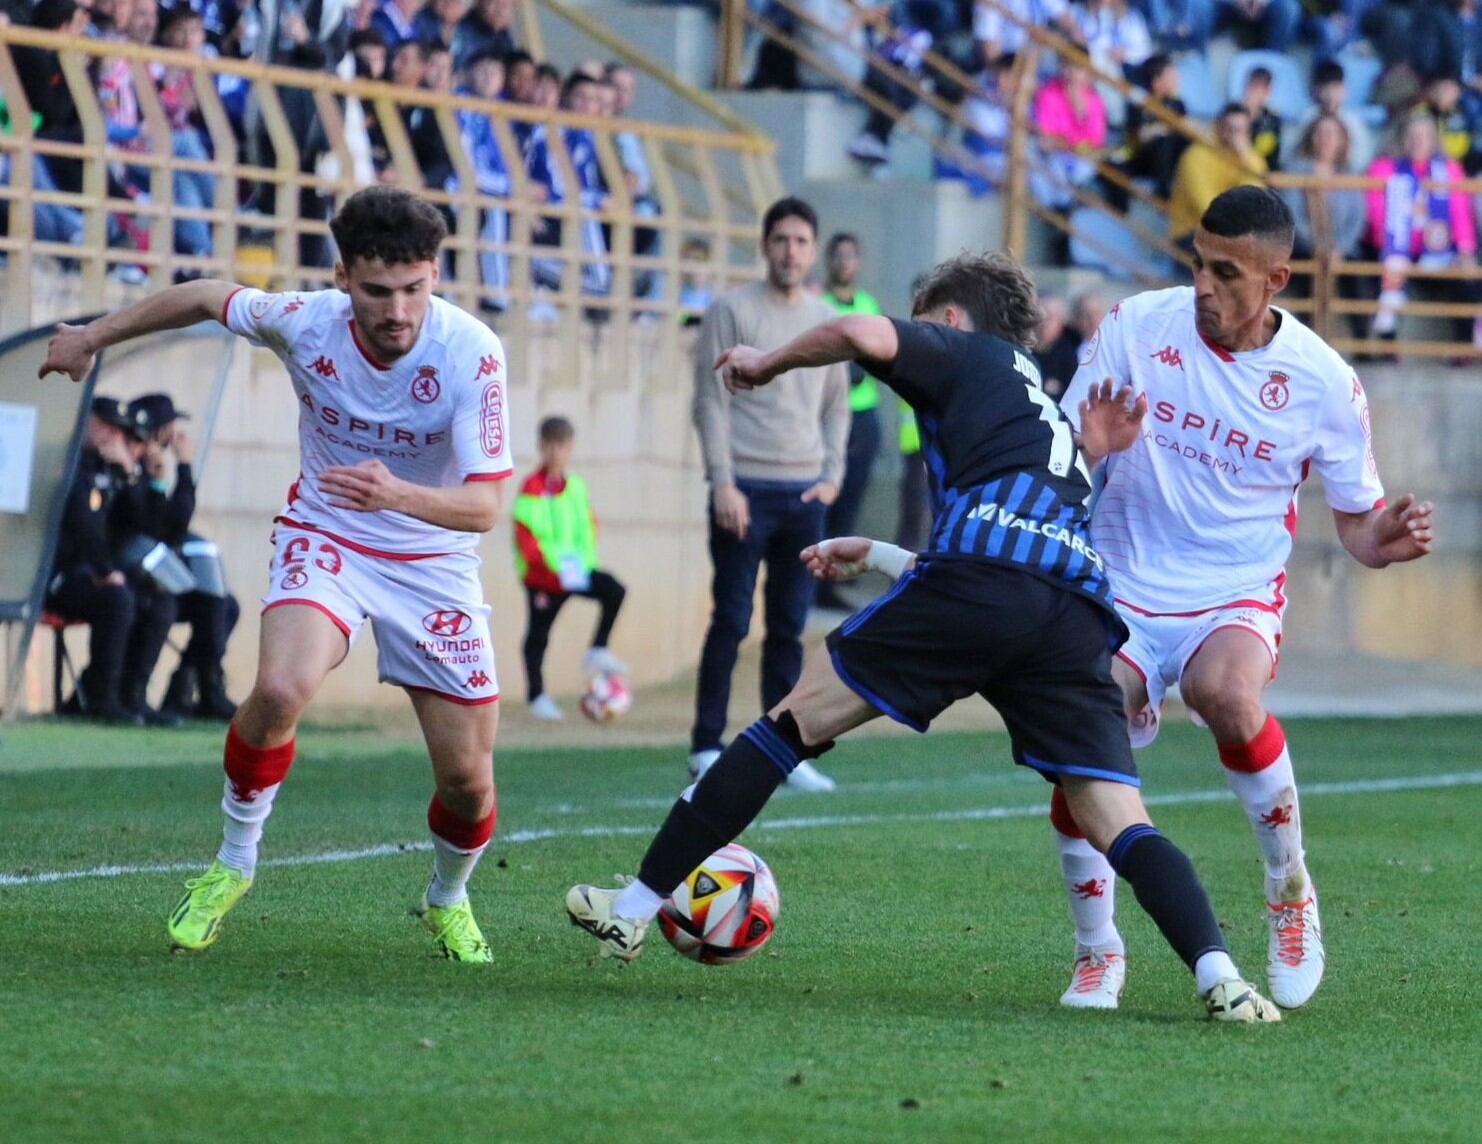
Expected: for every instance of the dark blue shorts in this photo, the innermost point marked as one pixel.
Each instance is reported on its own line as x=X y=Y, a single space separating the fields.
x=1039 y=653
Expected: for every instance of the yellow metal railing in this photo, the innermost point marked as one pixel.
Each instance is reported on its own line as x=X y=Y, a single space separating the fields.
x=711 y=188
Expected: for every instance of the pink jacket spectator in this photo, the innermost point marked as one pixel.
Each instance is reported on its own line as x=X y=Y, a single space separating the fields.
x=1400 y=213
x=1054 y=115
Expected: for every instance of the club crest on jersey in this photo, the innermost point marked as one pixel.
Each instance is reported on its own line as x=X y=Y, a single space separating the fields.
x=295 y=579
x=1170 y=356
x=324 y=367
x=1088 y=353
x=446 y=623
x=1274 y=393
x=262 y=306
x=425 y=386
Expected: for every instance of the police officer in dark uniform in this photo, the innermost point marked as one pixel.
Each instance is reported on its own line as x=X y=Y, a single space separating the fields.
x=86 y=584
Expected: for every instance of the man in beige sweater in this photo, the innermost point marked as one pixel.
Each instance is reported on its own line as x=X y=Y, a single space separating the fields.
x=774 y=459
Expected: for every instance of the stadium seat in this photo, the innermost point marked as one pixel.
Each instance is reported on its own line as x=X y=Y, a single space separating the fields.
x=1100 y=242
x=1197 y=88
x=1289 y=96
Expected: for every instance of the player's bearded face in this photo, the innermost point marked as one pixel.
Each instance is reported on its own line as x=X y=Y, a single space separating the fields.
x=390 y=302
x=1234 y=282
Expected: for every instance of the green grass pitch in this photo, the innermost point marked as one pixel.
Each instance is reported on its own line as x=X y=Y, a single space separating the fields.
x=909 y=994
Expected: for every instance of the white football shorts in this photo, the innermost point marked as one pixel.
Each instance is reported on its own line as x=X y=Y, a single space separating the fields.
x=428 y=613
x=1160 y=647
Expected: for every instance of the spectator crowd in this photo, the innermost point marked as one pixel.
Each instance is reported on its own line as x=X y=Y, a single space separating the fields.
x=463 y=47
x=1391 y=89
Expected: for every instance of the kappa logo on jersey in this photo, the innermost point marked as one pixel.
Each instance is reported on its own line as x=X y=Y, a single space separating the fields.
x=478 y=679
x=1274 y=393
x=1093 y=888
x=1115 y=312
x=488 y=366
x=324 y=367
x=425 y=386
x=293 y=307
x=1279 y=816
x=491 y=421
x=446 y=623
x=1169 y=356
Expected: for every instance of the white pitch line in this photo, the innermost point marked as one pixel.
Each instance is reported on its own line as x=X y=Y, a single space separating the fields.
x=815 y=822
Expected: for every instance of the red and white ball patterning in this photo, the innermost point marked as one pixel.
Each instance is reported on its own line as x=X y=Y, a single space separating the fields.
x=606 y=697
x=725 y=911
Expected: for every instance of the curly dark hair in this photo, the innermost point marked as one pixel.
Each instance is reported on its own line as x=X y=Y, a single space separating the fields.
x=991 y=288
x=390 y=224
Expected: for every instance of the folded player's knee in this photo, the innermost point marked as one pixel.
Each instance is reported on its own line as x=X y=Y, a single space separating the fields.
x=1233 y=714
x=469 y=795
x=280 y=697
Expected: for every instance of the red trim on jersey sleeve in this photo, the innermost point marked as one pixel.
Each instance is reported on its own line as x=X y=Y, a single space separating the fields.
x=353 y=546
x=1218 y=350
x=489 y=476
x=365 y=353
x=300 y=602
x=538 y=575
x=461 y=700
x=226 y=306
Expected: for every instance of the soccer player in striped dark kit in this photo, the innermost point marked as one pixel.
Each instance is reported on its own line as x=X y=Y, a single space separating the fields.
x=1009 y=601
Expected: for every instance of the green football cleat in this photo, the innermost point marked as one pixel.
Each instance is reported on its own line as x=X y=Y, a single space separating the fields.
x=196 y=921
x=457 y=934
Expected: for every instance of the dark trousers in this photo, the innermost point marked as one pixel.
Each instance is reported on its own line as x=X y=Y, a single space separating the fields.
x=543 y=609
x=915 y=506
x=211 y=620
x=781 y=527
x=154 y=612
x=864 y=447
x=108 y=610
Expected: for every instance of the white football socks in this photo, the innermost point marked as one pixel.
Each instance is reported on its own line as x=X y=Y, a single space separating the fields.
x=242 y=830
x=451 y=869
x=1262 y=778
x=1212 y=968
x=1090 y=889
x=637 y=901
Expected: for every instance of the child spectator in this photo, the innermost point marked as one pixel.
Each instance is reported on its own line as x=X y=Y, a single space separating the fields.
x=696 y=282
x=185 y=31
x=481 y=144
x=1154 y=148
x=581 y=98
x=556 y=558
x=1265 y=124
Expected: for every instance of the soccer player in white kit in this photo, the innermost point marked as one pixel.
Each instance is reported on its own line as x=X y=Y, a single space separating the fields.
x=403 y=427
x=1210 y=407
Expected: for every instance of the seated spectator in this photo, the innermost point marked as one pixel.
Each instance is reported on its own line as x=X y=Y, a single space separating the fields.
x=1437 y=39
x=520 y=77
x=1414 y=227
x=696 y=282
x=556 y=558
x=1458 y=119
x=1265 y=124
x=1153 y=147
x=1324 y=152
x=485 y=74
x=113 y=80
x=579 y=97
x=488 y=28
x=396 y=20
x=57 y=119
x=442 y=22
x=185 y=31
x=1116 y=37
x=439 y=75
x=1056 y=348
x=1329 y=95
x=840 y=64
x=997 y=36
x=1205 y=172
x=987 y=118
x=86 y=586
x=1274 y=24
x=647 y=284
x=368 y=49
x=548 y=86
x=1087 y=311
x=902 y=47
x=1070 y=128
x=1182 y=25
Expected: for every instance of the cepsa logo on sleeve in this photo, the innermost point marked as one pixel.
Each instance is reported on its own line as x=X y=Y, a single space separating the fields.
x=491 y=421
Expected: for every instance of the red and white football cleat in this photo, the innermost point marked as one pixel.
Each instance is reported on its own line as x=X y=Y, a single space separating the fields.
x=1097 y=980
x=1296 y=954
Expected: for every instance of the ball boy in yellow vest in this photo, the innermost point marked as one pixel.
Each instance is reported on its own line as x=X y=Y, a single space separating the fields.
x=556 y=557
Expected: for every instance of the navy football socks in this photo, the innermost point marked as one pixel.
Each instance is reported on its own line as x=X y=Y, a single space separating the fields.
x=1167 y=887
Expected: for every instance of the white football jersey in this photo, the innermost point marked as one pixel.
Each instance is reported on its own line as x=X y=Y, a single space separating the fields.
x=1201 y=511
x=438 y=417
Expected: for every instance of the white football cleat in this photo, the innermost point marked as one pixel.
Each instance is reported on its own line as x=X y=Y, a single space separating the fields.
x=805 y=776
x=1238 y=1001
x=702 y=761
x=1296 y=953
x=545 y=708
x=1097 y=980
x=590 y=908
x=599 y=659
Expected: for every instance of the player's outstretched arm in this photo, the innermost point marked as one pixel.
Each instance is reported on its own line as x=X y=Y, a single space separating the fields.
x=850 y=338
x=371 y=487
x=72 y=348
x=1390 y=535
x=845 y=557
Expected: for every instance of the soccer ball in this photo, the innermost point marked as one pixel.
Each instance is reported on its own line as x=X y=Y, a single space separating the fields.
x=606 y=697
x=725 y=911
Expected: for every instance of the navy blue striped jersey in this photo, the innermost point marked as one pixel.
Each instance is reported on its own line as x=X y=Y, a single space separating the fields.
x=1007 y=482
